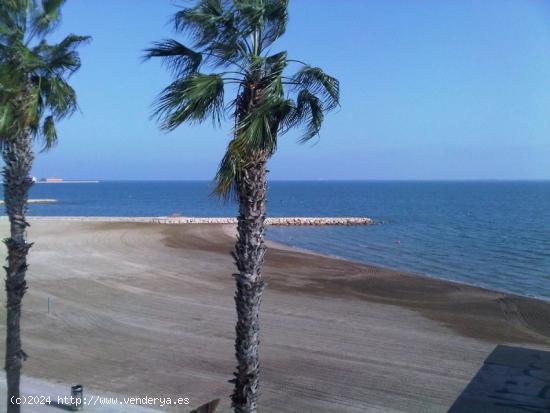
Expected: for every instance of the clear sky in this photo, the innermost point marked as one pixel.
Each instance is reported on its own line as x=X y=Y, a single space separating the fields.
x=431 y=89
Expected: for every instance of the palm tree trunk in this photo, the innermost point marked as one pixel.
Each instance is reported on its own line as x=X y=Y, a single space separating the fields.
x=18 y=157
x=249 y=258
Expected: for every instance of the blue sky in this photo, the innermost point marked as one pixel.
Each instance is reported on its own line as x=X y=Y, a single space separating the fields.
x=431 y=89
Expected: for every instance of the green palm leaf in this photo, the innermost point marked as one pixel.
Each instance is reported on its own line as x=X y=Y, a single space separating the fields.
x=181 y=60
x=49 y=132
x=192 y=99
x=308 y=112
x=61 y=58
x=319 y=83
x=275 y=20
x=228 y=172
x=13 y=15
x=46 y=16
x=202 y=22
x=59 y=97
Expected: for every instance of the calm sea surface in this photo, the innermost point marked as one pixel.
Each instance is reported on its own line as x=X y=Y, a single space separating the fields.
x=493 y=234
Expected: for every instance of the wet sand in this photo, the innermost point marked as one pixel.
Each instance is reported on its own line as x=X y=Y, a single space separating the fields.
x=147 y=309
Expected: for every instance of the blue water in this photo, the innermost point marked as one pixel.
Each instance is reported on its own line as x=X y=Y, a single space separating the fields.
x=493 y=234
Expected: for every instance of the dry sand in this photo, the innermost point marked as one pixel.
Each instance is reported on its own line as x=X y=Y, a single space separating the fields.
x=146 y=309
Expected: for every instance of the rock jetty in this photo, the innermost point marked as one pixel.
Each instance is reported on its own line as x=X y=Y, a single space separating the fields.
x=279 y=221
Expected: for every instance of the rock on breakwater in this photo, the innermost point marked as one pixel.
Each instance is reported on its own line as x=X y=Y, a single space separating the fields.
x=319 y=221
x=281 y=221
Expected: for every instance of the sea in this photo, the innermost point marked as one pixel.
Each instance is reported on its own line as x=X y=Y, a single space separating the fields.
x=493 y=234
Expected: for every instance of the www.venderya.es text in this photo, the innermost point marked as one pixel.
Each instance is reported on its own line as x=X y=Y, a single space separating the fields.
x=99 y=400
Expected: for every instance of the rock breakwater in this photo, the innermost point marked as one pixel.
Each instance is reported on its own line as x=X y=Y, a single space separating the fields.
x=280 y=221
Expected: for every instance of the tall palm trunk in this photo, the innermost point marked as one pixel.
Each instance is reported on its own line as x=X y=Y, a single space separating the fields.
x=18 y=157
x=249 y=258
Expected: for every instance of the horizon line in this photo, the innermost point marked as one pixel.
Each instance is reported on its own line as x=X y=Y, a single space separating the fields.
x=327 y=180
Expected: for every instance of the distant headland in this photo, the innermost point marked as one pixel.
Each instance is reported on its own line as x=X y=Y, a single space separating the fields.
x=37 y=201
x=62 y=181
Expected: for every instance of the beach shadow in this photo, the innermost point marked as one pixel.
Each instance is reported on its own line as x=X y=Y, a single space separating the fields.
x=209 y=407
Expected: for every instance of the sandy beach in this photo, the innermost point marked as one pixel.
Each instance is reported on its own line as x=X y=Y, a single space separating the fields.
x=147 y=309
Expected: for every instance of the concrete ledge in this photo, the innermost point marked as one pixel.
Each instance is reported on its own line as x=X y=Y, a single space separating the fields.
x=512 y=380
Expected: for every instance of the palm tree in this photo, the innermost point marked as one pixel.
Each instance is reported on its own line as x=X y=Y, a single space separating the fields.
x=34 y=94
x=231 y=50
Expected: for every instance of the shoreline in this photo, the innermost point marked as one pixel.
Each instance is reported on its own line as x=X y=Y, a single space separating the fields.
x=148 y=308
x=226 y=222
x=290 y=247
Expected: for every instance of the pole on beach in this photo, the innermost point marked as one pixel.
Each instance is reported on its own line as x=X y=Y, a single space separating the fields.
x=49 y=305
x=77 y=392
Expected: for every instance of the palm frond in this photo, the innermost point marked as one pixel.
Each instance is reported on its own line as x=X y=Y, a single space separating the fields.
x=8 y=29
x=308 y=112
x=226 y=51
x=59 y=97
x=72 y=41
x=258 y=130
x=273 y=67
x=179 y=59
x=320 y=84
x=250 y=15
x=61 y=58
x=13 y=16
x=266 y=19
x=256 y=133
x=33 y=109
x=212 y=26
x=7 y=120
x=48 y=133
x=275 y=20
x=16 y=55
x=228 y=172
x=276 y=63
x=45 y=18
x=193 y=99
x=202 y=22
